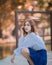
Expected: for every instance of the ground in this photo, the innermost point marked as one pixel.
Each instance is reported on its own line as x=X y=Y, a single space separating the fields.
x=20 y=60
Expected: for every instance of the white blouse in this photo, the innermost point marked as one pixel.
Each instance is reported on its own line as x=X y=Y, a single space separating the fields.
x=30 y=41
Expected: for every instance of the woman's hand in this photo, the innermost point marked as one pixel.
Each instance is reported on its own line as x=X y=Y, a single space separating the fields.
x=22 y=31
x=12 y=59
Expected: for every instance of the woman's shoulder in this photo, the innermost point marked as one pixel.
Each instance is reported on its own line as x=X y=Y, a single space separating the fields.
x=32 y=34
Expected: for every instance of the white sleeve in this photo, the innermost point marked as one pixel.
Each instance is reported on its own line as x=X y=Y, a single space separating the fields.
x=27 y=42
x=17 y=51
x=21 y=39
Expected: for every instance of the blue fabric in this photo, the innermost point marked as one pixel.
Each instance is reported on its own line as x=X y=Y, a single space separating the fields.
x=38 y=57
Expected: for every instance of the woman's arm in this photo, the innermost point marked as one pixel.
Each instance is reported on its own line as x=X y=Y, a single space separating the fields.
x=21 y=32
x=13 y=57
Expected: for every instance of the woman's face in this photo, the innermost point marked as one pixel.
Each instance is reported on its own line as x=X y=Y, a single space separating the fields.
x=27 y=27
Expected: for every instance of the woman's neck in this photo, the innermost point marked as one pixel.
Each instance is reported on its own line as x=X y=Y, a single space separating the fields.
x=27 y=34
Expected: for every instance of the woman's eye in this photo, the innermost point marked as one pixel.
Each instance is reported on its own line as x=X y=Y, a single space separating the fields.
x=27 y=25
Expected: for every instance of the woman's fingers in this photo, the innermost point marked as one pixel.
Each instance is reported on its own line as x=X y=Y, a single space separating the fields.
x=12 y=60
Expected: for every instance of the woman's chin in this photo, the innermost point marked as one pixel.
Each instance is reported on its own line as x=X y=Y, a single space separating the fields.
x=26 y=31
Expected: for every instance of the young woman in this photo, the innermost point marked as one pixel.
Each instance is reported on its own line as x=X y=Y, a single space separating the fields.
x=31 y=45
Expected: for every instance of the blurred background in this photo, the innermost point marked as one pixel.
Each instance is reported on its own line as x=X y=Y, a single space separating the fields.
x=7 y=22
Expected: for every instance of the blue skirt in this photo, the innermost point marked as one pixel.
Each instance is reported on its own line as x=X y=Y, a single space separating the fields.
x=38 y=57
